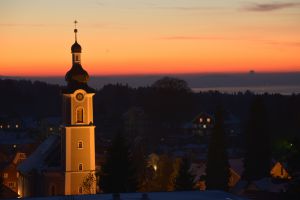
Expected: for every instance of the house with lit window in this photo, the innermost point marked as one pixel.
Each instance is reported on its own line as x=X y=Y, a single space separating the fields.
x=9 y=172
x=201 y=125
x=65 y=160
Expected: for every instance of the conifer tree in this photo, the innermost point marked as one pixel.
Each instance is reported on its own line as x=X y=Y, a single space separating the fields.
x=217 y=166
x=184 y=179
x=257 y=153
x=118 y=174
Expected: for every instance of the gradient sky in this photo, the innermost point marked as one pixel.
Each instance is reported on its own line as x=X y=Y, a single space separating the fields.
x=150 y=36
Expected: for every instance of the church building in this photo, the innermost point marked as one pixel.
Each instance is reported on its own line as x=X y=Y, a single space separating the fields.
x=64 y=164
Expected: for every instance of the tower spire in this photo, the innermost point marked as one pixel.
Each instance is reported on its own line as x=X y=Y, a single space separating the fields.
x=76 y=74
x=75 y=30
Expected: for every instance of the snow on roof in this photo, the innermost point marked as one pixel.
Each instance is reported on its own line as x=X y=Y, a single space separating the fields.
x=35 y=160
x=185 y=195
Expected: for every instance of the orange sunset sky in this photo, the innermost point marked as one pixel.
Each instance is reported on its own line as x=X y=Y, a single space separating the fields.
x=149 y=37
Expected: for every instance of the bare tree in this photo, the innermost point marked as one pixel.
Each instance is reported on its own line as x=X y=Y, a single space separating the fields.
x=89 y=184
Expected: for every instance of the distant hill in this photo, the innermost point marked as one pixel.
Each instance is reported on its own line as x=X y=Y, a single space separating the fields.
x=194 y=80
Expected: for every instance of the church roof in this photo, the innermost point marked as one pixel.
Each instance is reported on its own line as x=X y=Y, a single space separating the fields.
x=37 y=159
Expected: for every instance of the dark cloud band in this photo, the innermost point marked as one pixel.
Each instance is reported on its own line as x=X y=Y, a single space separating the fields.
x=270 y=7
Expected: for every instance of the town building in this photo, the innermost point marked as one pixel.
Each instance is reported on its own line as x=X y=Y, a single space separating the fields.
x=9 y=173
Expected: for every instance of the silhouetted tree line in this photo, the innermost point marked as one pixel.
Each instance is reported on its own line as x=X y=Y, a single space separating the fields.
x=164 y=105
x=167 y=104
x=27 y=98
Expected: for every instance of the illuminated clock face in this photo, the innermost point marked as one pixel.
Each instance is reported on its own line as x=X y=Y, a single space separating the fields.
x=79 y=96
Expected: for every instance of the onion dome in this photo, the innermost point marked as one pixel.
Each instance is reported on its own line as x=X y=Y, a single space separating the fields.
x=76 y=48
x=77 y=75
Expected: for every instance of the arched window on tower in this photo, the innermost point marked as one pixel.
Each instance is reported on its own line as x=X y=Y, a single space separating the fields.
x=79 y=115
x=77 y=58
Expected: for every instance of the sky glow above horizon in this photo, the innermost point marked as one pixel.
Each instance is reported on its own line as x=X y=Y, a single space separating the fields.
x=149 y=37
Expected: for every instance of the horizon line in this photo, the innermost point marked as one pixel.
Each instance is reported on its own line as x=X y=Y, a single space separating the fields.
x=250 y=72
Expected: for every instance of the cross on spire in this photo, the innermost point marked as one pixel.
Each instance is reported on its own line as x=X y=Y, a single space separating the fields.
x=75 y=30
x=75 y=22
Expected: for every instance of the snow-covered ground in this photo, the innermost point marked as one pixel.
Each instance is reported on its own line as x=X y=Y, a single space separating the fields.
x=193 y=195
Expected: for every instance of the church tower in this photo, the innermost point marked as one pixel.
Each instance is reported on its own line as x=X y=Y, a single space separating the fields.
x=78 y=137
